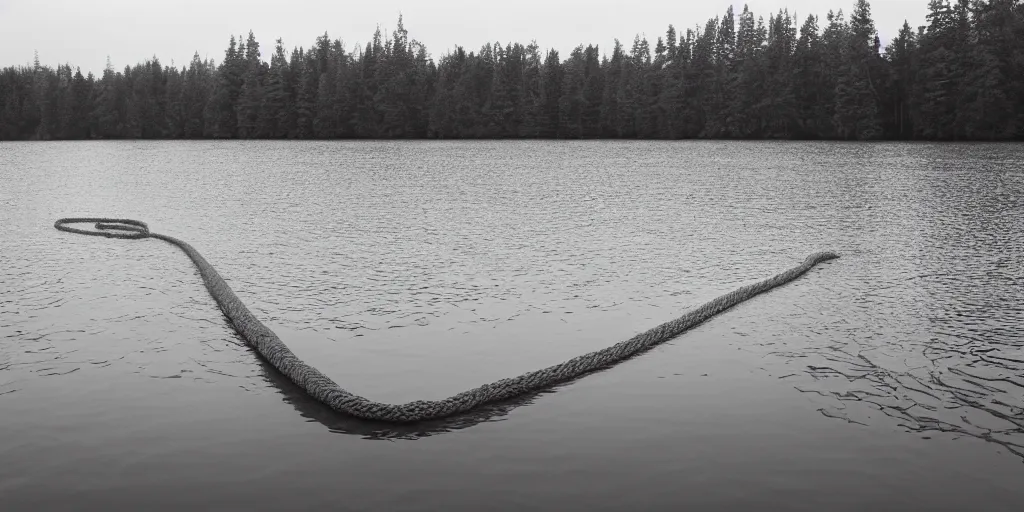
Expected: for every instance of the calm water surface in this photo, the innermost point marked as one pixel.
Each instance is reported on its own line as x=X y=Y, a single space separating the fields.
x=890 y=379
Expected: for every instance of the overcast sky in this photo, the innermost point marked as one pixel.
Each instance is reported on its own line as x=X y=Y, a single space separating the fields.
x=84 y=32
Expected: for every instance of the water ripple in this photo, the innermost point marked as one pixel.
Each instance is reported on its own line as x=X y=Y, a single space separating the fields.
x=412 y=271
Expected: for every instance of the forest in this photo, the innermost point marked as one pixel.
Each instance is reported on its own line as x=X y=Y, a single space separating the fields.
x=959 y=77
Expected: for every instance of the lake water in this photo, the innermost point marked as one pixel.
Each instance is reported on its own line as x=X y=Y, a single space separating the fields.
x=889 y=379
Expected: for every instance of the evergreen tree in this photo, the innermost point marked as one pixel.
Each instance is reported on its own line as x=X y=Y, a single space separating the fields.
x=174 y=118
x=742 y=107
x=275 y=101
x=109 y=104
x=250 y=96
x=940 y=78
x=532 y=99
x=778 y=108
x=988 y=110
x=81 y=106
x=500 y=109
x=221 y=114
x=703 y=90
x=551 y=95
x=834 y=41
x=197 y=86
x=856 y=114
x=305 y=99
x=723 y=93
x=570 y=106
x=613 y=71
x=901 y=55
x=593 y=94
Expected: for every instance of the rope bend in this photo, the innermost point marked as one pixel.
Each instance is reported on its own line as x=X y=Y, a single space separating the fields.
x=323 y=389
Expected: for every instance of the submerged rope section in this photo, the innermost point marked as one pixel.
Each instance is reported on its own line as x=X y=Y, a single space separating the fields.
x=319 y=386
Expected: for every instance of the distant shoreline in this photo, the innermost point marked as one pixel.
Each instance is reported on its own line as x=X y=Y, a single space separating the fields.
x=741 y=77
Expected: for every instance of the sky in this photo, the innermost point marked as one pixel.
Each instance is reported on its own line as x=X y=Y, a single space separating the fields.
x=85 y=32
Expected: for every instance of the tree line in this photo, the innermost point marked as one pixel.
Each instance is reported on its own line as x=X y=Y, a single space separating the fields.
x=960 y=77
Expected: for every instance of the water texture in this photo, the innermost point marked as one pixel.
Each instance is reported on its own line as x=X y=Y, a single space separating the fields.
x=892 y=378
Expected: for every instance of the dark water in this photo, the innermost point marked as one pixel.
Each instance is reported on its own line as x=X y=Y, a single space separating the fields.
x=890 y=379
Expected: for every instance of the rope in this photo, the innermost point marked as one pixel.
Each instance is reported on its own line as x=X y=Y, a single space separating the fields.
x=323 y=389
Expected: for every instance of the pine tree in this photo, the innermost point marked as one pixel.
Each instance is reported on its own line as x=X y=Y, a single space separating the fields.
x=742 y=107
x=499 y=109
x=722 y=94
x=570 y=103
x=856 y=113
x=109 y=104
x=902 y=55
x=778 y=109
x=593 y=94
x=644 y=91
x=988 y=110
x=221 y=115
x=174 y=117
x=613 y=72
x=367 y=116
x=703 y=91
x=443 y=109
x=155 y=91
x=940 y=74
x=325 y=119
x=195 y=96
x=274 y=104
x=81 y=92
x=551 y=94
x=834 y=40
x=532 y=95
x=393 y=73
x=250 y=95
x=305 y=99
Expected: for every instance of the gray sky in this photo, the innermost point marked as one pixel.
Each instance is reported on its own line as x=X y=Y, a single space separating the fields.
x=84 y=32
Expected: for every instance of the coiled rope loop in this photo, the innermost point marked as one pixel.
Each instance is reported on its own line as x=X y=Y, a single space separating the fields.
x=320 y=387
x=110 y=228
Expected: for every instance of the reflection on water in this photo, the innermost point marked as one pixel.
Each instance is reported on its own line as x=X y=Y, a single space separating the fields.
x=416 y=270
x=344 y=424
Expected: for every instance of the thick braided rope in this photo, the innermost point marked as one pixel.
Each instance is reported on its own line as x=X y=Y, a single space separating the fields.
x=326 y=391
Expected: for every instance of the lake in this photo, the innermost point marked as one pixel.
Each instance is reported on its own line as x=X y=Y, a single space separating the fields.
x=889 y=379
